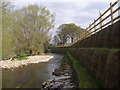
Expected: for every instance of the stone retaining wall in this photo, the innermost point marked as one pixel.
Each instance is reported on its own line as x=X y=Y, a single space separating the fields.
x=103 y=64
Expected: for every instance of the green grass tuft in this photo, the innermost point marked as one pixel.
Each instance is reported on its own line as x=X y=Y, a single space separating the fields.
x=19 y=58
x=86 y=80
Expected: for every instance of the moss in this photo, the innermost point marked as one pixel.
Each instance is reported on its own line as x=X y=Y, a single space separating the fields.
x=86 y=80
x=63 y=61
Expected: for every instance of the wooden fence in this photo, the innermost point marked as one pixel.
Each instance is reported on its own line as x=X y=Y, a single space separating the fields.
x=98 y=24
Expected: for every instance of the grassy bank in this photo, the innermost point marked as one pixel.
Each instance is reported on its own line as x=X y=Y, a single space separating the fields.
x=85 y=79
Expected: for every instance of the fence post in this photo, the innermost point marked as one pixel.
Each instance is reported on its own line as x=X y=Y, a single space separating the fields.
x=111 y=11
x=100 y=21
x=89 y=29
x=94 y=26
x=86 y=32
x=81 y=36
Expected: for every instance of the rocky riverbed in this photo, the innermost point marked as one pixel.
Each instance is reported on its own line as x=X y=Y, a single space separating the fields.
x=62 y=79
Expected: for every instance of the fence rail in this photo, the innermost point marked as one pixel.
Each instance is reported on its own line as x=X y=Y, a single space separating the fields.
x=95 y=27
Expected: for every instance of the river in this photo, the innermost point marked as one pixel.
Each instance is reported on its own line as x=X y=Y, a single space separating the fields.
x=31 y=75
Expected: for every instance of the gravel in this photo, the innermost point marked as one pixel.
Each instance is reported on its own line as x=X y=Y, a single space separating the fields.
x=30 y=59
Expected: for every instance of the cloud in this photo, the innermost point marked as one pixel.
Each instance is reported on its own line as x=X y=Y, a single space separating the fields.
x=80 y=13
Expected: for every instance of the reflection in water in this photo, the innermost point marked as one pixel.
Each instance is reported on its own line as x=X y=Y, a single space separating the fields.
x=30 y=76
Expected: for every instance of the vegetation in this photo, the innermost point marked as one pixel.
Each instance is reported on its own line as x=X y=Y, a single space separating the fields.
x=81 y=76
x=19 y=55
x=25 y=29
x=86 y=80
x=68 y=33
x=0 y=32
x=7 y=49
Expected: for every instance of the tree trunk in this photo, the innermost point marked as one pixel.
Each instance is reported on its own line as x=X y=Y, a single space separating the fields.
x=30 y=51
x=72 y=40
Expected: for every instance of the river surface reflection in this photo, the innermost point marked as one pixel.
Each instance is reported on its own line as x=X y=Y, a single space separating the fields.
x=30 y=76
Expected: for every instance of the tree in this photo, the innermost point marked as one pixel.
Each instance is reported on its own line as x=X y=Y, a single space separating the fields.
x=72 y=31
x=7 y=49
x=31 y=28
x=25 y=29
x=6 y=7
x=69 y=32
x=63 y=37
x=56 y=40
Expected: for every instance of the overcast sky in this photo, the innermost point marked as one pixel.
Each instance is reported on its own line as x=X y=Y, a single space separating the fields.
x=80 y=12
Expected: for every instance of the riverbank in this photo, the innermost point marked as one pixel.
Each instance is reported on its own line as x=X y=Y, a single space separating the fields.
x=6 y=64
x=31 y=75
x=62 y=78
x=82 y=77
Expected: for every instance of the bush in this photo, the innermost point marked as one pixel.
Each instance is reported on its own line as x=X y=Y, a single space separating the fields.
x=20 y=55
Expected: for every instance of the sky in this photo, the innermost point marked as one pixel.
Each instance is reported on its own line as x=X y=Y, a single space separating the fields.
x=80 y=12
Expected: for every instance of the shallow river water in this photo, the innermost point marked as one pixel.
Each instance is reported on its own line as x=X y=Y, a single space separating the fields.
x=30 y=76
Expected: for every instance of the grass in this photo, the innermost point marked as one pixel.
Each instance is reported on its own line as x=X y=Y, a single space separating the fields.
x=86 y=80
x=63 y=61
x=19 y=58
